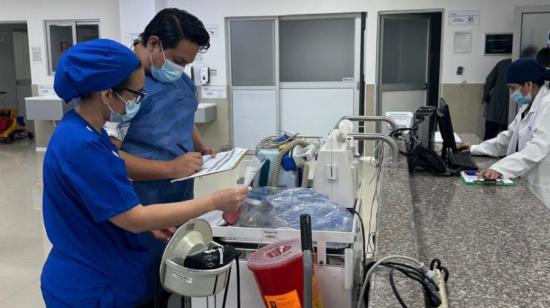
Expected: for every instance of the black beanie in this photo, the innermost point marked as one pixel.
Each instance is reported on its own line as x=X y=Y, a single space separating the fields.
x=527 y=69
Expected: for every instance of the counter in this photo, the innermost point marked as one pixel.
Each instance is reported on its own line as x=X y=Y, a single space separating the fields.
x=495 y=241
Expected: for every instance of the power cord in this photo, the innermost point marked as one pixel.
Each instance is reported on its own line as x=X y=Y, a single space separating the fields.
x=371 y=270
x=431 y=290
x=395 y=291
x=379 y=152
x=416 y=272
x=375 y=195
x=226 y=288
x=237 y=268
x=439 y=267
x=364 y=259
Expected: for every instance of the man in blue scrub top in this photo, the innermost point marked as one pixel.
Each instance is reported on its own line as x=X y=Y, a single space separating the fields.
x=161 y=142
x=91 y=212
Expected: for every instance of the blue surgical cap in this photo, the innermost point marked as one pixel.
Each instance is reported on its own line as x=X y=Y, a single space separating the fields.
x=526 y=69
x=93 y=66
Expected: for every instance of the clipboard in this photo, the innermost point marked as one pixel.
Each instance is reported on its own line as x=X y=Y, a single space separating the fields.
x=224 y=161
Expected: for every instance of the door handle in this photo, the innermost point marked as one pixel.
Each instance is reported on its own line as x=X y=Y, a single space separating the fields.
x=426 y=86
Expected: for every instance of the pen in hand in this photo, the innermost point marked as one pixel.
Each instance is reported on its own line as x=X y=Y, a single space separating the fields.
x=182 y=147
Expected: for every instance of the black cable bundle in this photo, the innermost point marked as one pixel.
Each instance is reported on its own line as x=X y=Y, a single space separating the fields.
x=398 y=132
x=421 y=276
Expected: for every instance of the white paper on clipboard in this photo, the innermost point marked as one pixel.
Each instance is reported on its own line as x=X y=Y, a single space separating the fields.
x=224 y=161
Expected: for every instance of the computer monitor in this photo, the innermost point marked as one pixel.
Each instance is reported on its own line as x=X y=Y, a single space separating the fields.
x=446 y=128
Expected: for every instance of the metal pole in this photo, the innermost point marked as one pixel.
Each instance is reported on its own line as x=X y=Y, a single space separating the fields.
x=307 y=248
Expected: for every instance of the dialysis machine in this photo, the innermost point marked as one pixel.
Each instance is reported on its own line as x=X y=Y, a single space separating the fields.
x=333 y=166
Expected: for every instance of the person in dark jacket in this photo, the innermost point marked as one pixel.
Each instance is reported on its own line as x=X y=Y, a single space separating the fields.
x=543 y=56
x=496 y=100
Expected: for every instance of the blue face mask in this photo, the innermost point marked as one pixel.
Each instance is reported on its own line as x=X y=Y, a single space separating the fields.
x=131 y=108
x=520 y=99
x=169 y=72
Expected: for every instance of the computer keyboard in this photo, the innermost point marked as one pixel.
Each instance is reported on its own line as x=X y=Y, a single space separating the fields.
x=462 y=160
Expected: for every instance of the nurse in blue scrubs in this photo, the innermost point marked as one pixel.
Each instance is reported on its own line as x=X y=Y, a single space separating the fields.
x=162 y=142
x=91 y=213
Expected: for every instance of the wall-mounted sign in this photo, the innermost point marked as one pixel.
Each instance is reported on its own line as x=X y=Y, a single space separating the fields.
x=462 y=42
x=213 y=92
x=464 y=18
x=36 y=55
x=498 y=43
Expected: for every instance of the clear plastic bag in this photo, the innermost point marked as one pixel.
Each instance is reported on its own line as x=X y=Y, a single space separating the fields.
x=282 y=209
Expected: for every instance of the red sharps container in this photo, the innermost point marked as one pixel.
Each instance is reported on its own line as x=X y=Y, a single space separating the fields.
x=279 y=272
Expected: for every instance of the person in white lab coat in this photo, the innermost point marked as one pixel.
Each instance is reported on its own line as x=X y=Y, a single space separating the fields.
x=526 y=143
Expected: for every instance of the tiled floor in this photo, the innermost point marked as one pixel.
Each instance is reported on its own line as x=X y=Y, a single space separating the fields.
x=23 y=244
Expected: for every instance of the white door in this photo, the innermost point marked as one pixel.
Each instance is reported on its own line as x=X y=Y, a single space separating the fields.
x=319 y=72
x=532 y=28
x=403 y=66
x=297 y=74
x=253 y=80
x=535 y=28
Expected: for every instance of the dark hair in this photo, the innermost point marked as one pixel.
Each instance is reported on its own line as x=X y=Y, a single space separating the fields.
x=123 y=84
x=543 y=56
x=539 y=83
x=173 y=25
x=528 y=52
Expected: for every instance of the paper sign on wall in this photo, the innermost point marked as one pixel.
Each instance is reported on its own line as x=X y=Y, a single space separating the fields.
x=36 y=55
x=45 y=89
x=213 y=92
x=464 y=18
x=463 y=42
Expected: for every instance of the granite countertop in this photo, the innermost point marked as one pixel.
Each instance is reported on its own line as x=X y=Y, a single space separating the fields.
x=495 y=241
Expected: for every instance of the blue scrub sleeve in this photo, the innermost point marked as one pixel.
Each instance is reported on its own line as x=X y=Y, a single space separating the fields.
x=99 y=176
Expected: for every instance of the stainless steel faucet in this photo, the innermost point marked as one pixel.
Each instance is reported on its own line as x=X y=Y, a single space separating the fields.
x=379 y=137
x=388 y=120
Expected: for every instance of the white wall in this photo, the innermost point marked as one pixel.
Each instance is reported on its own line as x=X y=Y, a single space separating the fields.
x=496 y=16
x=134 y=16
x=35 y=12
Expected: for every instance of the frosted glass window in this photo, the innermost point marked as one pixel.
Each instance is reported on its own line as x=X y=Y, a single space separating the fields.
x=405 y=50
x=62 y=35
x=252 y=52
x=316 y=49
x=86 y=32
x=534 y=30
x=61 y=39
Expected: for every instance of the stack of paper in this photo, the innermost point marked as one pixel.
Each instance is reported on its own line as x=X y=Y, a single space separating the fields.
x=224 y=161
